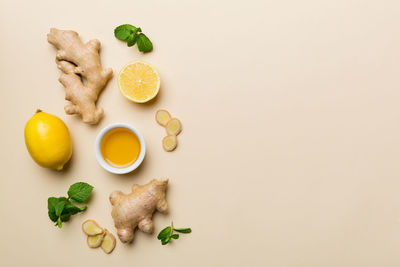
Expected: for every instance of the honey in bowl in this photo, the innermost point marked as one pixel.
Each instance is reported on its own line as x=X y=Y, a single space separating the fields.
x=120 y=147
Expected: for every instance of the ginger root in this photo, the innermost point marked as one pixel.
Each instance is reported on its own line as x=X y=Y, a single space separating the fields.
x=83 y=76
x=169 y=142
x=91 y=227
x=98 y=236
x=174 y=126
x=108 y=243
x=162 y=117
x=136 y=209
x=95 y=241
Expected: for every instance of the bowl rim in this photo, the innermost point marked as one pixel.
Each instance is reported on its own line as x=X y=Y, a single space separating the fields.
x=99 y=156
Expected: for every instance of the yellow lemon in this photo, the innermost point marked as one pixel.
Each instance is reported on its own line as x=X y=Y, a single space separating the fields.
x=139 y=81
x=48 y=141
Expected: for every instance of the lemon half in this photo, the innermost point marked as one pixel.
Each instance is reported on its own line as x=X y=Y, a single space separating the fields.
x=139 y=81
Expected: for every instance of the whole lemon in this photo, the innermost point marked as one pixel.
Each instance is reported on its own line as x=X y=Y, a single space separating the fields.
x=48 y=141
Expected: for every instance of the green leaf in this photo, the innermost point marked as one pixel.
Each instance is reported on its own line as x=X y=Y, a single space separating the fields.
x=80 y=192
x=51 y=203
x=131 y=40
x=165 y=233
x=122 y=32
x=52 y=216
x=144 y=44
x=65 y=217
x=166 y=240
x=51 y=206
x=60 y=209
x=59 y=223
x=175 y=236
x=72 y=209
x=60 y=206
x=183 y=230
x=132 y=35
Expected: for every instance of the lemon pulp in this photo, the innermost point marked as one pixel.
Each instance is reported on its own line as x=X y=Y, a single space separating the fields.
x=139 y=81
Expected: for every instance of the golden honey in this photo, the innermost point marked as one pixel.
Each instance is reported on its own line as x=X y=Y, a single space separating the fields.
x=120 y=147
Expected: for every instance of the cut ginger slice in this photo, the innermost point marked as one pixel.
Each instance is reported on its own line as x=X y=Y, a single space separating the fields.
x=91 y=227
x=163 y=117
x=94 y=241
x=174 y=126
x=169 y=143
x=109 y=242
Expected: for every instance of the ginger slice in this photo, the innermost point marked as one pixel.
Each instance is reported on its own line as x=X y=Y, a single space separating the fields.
x=162 y=117
x=169 y=143
x=174 y=126
x=94 y=241
x=109 y=242
x=91 y=228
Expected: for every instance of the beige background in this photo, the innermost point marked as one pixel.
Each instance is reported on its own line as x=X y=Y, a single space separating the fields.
x=291 y=143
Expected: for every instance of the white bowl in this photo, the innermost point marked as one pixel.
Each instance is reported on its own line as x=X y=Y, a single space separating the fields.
x=107 y=166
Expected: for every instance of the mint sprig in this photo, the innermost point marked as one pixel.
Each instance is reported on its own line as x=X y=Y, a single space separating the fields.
x=60 y=209
x=80 y=191
x=167 y=234
x=132 y=35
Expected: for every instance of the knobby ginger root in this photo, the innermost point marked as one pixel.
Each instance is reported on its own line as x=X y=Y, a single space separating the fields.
x=136 y=209
x=91 y=227
x=95 y=241
x=162 y=117
x=83 y=76
x=169 y=143
x=109 y=242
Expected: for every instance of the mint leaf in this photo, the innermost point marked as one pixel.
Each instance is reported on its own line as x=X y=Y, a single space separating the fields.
x=80 y=192
x=72 y=209
x=183 y=230
x=51 y=203
x=65 y=217
x=51 y=206
x=123 y=32
x=132 y=35
x=166 y=240
x=144 y=43
x=60 y=209
x=55 y=207
x=175 y=236
x=59 y=223
x=52 y=216
x=59 y=206
x=131 y=40
x=166 y=232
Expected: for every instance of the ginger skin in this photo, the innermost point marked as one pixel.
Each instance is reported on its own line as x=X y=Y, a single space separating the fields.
x=79 y=60
x=136 y=209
